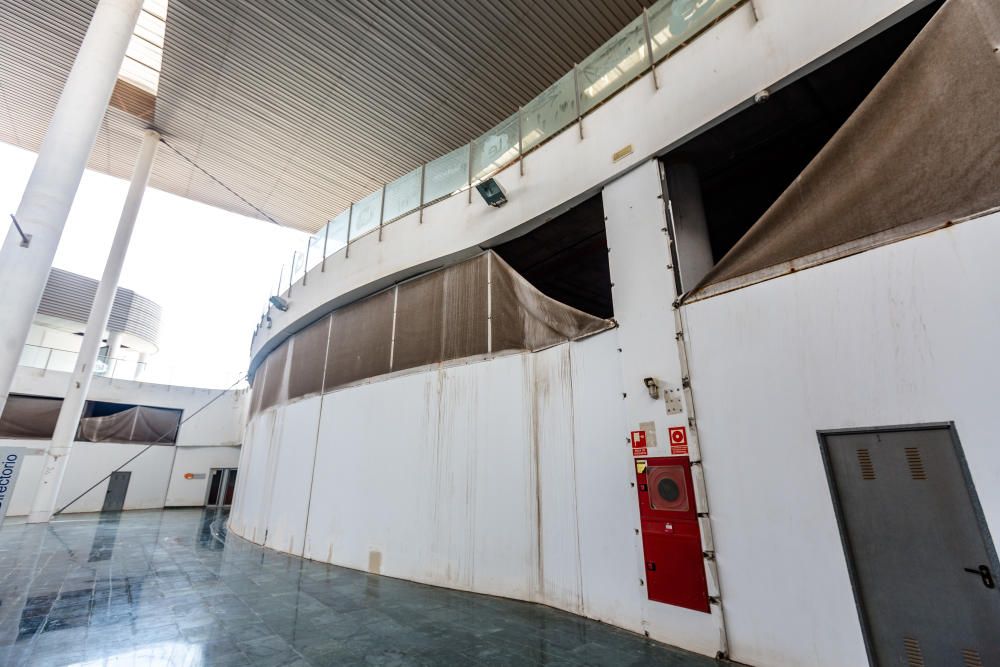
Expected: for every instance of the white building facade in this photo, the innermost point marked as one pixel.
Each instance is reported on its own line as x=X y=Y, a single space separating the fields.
x=528 y=474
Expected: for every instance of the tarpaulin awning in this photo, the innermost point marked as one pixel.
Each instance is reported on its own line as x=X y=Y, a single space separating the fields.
x=475 y=308
x=141 y=424
x=920 y=152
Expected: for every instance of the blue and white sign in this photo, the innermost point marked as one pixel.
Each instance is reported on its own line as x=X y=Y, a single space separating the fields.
x=11 y=459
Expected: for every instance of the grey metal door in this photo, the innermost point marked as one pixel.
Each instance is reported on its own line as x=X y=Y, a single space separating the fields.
x=921 y=559
x=114 y=498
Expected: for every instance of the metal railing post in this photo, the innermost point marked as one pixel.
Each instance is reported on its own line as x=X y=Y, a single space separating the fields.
x=350 y=219
x=381 y=214
x=423 y=182
x=469 y=177
x=326 y=237
x=649 y=47
x=520 y=141
x=576 y=97
x=305 y=266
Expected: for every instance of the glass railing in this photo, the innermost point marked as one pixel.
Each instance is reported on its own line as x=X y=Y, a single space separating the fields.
x=653 y=36
x=63 y=361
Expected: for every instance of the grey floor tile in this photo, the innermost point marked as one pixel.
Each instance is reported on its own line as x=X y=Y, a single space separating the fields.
x=153 y=587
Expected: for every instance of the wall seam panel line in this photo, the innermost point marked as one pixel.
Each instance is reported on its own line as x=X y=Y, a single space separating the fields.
x=312 y=477
x=576 y=488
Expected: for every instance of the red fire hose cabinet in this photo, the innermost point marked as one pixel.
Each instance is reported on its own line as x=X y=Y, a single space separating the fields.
x=671 y=539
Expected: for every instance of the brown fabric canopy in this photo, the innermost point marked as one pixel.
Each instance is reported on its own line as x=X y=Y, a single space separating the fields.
x=921 y=151
x=29 y=417
x=472 y=309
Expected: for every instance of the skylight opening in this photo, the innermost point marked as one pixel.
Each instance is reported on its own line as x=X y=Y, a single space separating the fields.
x=144 y=55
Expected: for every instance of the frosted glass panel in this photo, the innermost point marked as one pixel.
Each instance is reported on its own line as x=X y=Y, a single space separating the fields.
x=366 y=214
x=337 y=238
x=447 y=174
x=298 y=265
x=613 y=65
x=548 y=113
x=495 y=149
x=673 y=22
x=402 y=195
x=315 y=249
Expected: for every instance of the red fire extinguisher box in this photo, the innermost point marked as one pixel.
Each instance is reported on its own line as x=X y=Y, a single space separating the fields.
x=671 y=538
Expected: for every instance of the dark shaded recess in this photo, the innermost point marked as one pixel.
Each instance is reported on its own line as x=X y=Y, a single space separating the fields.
x=567 y=258
x=747 y=161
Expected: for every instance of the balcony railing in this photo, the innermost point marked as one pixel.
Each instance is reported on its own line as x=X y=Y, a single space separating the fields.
x=661 y=30
x=54 y=359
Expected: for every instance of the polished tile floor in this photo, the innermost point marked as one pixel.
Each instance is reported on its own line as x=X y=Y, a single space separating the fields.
x=170 y=588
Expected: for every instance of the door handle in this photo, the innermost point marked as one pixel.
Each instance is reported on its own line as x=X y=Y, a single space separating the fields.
x=984 y=572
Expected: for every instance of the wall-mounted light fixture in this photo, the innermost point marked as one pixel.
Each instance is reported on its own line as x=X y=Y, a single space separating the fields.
x=652 y=387
x=492 y=192
x=279 y=303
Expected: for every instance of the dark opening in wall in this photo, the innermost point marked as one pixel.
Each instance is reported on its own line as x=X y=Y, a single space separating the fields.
x=567 y=258
x=743 y=164
x=104 y=408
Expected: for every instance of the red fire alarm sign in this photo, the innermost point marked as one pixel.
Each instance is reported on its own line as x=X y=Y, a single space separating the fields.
x=678 y=441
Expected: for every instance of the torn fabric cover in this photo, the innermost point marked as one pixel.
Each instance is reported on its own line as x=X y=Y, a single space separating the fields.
x=141 y=424
x=921 y=151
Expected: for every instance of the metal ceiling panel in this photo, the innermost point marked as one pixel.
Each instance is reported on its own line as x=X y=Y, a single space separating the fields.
x=303 y=106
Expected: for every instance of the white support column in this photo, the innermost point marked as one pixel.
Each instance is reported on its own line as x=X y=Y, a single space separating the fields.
x=114 y=343
x=61 y=160
x=140 y=366
x=72 y=407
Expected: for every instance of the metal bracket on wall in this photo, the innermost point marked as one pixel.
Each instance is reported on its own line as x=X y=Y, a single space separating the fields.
x=673 y=397
x=25 y=238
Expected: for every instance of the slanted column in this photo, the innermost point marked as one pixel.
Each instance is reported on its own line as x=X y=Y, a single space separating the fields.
x=57 y=454
x=61 y=160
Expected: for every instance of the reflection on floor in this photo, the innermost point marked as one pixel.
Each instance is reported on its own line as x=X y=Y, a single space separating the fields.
x=170 y=588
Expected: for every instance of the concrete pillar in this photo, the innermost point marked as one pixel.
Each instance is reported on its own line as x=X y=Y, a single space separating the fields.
x=114 y=343
x=69 y=415
x=140 y=366
x=61 y=160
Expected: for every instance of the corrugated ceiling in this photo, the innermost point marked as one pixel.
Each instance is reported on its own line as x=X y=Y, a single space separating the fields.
x=302 y=106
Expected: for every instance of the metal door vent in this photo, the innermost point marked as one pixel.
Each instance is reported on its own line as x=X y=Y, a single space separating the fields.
x=914 y=657
x=865 y=461
x=971 y=658
x=916 y=463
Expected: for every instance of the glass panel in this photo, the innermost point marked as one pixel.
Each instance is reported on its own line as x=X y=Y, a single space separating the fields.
x=62 y=360
x=673 y=22
x=548 y=113
x=213 y=488
x=402 y=195
x=365 y=215
x=298 y=266
x=34 y=356
x=338 y=233
x=315 y=249
x=447 y=175
x=495 y=149
x=227 y=497
x=615 y=64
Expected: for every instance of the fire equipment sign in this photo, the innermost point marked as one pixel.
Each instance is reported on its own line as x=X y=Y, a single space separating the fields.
x=678 y=441
x=639 y=443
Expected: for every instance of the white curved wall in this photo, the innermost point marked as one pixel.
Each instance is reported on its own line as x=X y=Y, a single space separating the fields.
x=504 y=477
